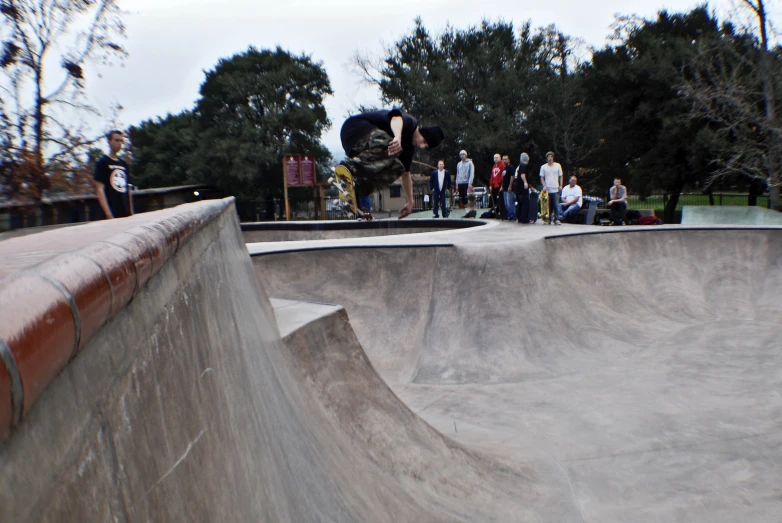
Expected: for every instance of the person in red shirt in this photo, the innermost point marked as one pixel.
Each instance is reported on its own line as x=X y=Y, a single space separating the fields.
x=495 y=183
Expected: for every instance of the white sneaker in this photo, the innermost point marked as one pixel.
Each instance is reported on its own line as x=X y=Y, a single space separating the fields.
x=557 y=222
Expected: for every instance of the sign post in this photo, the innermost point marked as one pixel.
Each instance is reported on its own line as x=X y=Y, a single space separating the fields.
x=298 y=170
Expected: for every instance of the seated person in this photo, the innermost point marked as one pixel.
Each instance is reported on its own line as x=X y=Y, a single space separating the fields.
x=617 y=202
x=571 y=199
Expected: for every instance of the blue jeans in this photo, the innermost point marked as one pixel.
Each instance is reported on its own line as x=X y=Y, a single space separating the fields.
x=365 y=202
x=510 y=205
x=570 y=210
x=553 y=206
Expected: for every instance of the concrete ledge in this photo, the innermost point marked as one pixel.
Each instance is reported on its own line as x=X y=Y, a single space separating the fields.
x=729 y=215
x=57 y=299
x=293 y=315
x=344 y=225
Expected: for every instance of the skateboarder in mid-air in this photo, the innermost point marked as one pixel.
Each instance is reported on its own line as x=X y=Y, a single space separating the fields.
x=380 y=146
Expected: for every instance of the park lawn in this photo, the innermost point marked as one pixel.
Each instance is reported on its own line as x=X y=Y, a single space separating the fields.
x=656 y=202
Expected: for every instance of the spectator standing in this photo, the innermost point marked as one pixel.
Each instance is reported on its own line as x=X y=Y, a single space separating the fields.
x=508 y=197
x=618 y=202
x=465 y=175
x=571 y=199
x=112 y=180
x=521 y=188
x=495 y=183
x=439 y=183
x=551 y=177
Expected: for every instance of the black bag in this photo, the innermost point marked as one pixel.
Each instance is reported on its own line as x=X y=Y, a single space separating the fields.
x=533 y=206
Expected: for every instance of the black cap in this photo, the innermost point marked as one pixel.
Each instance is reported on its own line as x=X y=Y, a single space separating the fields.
x=433 y=135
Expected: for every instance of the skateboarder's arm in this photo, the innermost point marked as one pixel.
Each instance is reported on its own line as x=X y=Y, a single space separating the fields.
x=397 y=124
x=101 y=195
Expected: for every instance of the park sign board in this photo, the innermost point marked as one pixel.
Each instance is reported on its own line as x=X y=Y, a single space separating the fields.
x=299 y=170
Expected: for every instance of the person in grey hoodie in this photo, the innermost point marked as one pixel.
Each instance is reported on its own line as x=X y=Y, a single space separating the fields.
x=465 y=174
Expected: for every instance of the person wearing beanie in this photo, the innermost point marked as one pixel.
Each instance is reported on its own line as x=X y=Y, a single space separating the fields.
x=465 y=174
x=380 y=146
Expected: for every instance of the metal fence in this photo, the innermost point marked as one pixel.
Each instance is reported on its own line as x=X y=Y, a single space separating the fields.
x=309 y=209
x=659 y=201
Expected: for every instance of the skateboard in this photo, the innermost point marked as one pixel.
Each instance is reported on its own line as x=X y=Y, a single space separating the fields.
x=544 y=210
x=533 y=206
x=343 y=181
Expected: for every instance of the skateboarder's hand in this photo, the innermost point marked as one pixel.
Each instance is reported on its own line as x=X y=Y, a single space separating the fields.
x=394 y=148
x=406 y=210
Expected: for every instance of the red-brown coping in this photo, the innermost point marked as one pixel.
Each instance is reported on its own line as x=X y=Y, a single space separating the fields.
x=39 y=328
x=6 y=412
x=89 y=287
x=54 y=299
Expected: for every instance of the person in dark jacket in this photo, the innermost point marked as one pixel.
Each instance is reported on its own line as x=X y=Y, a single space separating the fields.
x=508 y=198
x=439 y=183
x=521 y=185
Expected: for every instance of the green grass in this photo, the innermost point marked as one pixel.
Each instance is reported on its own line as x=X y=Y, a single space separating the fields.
x=656 y=202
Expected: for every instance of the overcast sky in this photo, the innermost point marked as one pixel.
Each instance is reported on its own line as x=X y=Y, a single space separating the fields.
x=172 y=42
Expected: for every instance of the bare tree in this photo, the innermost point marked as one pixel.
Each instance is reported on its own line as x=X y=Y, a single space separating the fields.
x=732 y=84
x=46 y=46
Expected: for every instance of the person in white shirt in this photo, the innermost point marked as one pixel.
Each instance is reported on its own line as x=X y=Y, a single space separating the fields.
x=551 y=177
x=571 y=199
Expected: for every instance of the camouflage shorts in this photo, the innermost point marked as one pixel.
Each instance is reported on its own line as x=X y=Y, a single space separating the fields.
x=369 y=160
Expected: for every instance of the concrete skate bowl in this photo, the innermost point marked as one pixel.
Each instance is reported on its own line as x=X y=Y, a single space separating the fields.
x=643 y=367
x=146 y=376
x=329 y=230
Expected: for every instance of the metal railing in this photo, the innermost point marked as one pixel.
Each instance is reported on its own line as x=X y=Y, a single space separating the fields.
x=659 y=201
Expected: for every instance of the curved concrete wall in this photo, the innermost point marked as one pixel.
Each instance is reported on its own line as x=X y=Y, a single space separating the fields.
x=180 y=402
x=296 y=231
x=446 y=314
x=68 y=284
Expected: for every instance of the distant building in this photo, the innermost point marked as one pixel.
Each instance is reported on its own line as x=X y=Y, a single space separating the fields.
x=392 y=198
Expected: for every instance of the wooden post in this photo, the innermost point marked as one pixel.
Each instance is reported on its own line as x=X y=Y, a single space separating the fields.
x=287 y=205
x=323 y=203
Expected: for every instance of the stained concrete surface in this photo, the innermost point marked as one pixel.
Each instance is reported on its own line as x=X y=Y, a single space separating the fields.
x=729 y=215
x=503 y=373
x=190 y=406
x=643 y=364
x=319 y=230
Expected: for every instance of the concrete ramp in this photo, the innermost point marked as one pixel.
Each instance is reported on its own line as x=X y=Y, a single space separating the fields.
x=181 y=400
x=642 y=363
x=710 y=215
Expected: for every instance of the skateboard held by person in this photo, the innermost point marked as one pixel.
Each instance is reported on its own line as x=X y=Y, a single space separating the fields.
x=343 y=181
